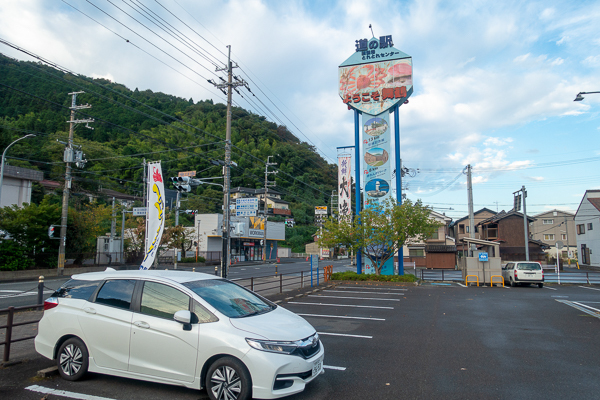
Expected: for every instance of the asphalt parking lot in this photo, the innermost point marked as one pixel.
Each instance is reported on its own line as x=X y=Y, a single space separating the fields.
x=425 y=342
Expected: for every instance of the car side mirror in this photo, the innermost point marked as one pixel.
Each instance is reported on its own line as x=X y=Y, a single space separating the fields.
x=184 y=317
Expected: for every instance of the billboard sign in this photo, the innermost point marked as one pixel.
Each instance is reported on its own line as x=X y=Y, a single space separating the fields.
x=377 y=171
x=155 y=217
x=321 y=210
x=376 y=77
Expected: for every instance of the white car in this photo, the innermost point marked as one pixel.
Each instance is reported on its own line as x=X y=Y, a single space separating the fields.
x=523 y=272
x=180 y=328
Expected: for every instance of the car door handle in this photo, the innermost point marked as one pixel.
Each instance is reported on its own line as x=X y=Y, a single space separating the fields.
x=89 y=310
x=142 y=324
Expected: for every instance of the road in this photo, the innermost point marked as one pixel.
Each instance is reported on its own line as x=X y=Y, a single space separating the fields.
x=18 y=294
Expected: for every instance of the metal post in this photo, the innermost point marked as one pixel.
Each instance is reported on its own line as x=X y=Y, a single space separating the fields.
x=525 y=224
x=8 y=339
x=398 y=179
x=311 y=270
x=357 y=200
x=40 y=294
x=317 y=275
x=280 y=283
x=301 y=279
x=123 y=237
x=252 y=283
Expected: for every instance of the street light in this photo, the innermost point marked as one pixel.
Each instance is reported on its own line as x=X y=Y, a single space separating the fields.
x=579 y=96
x=2 y=167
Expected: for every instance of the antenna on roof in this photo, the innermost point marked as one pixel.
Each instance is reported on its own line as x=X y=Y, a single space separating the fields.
x=371 y=30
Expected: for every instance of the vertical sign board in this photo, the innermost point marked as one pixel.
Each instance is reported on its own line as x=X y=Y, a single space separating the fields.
x=344 y=186
x=375 y=81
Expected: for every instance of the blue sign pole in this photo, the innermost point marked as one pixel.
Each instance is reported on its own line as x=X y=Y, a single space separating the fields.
x=311 y=277
x=357 y=172
x=398 y=178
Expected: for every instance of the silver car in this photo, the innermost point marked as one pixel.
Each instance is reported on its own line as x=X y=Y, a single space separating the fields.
x=523 y=272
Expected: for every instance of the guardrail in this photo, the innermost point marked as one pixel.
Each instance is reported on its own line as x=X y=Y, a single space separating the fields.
x=276 y=283
x=585 y=278
x=496 y=276
x=10 y=325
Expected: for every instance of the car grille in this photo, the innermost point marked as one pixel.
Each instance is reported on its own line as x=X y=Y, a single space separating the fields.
x=309 y=349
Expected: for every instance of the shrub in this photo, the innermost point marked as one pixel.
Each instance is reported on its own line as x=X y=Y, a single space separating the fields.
x=192 y=259
x=353 y=276
x=13 y=257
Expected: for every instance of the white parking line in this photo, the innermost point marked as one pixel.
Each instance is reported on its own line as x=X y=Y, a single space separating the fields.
x=368 y=288
x=354 y=298
x=465 y=285
x=341 y=316
x=339 y=305
x=335 y=368
x=348 y=291
x=345 y=335
x=591 y=288
x=550 y=288
x=64 y=393
x=583 y=305
x=580 y=307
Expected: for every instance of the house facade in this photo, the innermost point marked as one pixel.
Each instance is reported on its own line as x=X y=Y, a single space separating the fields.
x=555 y=226
x=587 y=228
x=507 y=228
x=460 y=228
x=437 y=251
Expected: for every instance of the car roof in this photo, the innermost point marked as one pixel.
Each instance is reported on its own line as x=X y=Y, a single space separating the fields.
x=165 y=275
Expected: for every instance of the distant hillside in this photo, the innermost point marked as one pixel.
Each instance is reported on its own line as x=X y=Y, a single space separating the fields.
x=182 y=134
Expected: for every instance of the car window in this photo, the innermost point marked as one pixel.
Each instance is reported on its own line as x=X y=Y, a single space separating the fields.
x=230 y=299
x=163 y=300
x=529 y=267
x=203 y=316
x=116 y=293
x=77 y=289
x=509 y=265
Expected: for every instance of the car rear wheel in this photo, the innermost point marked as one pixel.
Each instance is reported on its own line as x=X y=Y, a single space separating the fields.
x=72 y=360
x=540 y=285
x=228 y=378
x=512 y=283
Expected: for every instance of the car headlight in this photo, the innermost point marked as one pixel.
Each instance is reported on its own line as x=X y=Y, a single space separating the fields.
x=276 y=346
x=273 y=346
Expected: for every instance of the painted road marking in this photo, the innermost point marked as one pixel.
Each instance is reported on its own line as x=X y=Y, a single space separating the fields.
x=583 y=305
x=348 y=291
x=354 y=298
x=460 y=284
x=345 y=335
x=339 y=305
x=335 y=368
x=367 y=288
x=341 y=316
x=64 y=393
x=550 y=288
x=580 y=308
x=591 y=288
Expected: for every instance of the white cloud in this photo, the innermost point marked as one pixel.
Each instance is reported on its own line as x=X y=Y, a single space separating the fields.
x=536 y=178
x=548 y=13
x=557 y=61
x=562 y=40
x=592 y=61
x=496 y=141
x=522 y=58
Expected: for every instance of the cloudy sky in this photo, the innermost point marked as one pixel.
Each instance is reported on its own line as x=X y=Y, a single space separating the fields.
x=494 y=82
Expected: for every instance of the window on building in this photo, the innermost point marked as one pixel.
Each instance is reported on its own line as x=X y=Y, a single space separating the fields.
x=492 y=231
x=467 y=228
x=435 y=235
x=416 y=252
x=563 y=237
x=549 y=236
x=461 y=228
x=580 y=229
x=590 y=226
x=548 y=221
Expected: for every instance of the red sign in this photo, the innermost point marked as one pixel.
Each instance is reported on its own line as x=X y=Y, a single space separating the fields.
x=248 y=243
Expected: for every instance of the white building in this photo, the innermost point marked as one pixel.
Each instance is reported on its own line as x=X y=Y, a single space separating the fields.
x=587 y=227
x=247 y=235
x=17 y=184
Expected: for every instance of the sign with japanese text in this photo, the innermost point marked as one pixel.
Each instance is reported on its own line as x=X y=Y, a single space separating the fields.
x=377 y=172
x=246 y=207
x=187 y=173
x=139 y=211
x=155 y=216
x=321 y=210
x=344 y=186
x=376 y=77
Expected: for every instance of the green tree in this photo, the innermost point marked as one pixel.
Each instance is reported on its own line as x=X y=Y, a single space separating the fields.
x=381 y=230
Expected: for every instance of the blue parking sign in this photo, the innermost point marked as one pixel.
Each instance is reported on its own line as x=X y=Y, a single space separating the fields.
x=483 y=256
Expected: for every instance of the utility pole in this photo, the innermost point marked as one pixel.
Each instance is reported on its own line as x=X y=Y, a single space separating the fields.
x=69 y=158
x=113 y=232
x=229 y=85
x=471 y=214
x=523 y=194
x=267 y=185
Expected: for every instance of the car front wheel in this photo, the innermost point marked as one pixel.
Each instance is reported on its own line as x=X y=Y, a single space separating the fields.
x=228 y=378
x=72 y=359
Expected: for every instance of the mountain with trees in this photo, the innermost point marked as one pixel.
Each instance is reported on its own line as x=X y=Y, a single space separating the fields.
x=132 y=126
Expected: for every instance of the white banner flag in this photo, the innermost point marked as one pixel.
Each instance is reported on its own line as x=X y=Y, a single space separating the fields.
x=344 y=186
x=155 y=216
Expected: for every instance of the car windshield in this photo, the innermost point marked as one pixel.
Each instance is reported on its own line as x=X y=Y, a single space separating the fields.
x=230 y=299
x=529 y=267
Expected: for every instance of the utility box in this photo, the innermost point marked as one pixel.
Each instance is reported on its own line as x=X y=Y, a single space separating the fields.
x=483 y=261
